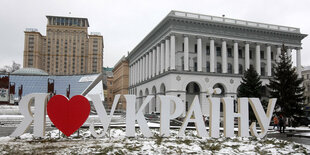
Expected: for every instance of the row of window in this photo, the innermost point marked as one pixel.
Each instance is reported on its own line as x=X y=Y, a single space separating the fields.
x=67 y=21
x=230 y=52
x=229 y=68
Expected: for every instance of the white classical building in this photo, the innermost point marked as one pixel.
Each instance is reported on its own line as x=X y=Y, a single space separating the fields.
x=187 y=53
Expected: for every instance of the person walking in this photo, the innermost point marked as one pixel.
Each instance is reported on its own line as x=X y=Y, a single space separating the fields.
x=275 y=122
x=281 y=123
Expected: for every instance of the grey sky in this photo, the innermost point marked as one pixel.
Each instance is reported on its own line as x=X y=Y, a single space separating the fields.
x=124 y=23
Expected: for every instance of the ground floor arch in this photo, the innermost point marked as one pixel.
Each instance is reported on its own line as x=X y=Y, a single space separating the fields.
x=192 y=90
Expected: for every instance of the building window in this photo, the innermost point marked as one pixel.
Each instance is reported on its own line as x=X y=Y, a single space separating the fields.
x=229 y=52
x=219 y=67
x=208 y=66
x=208 y=50
x=183 y=47
x=195 y=48
x=262 y=71
x=262 y=54
x=240 y=69
x=240 y=53
x=182 y=61
x=195 y=66
x=230 y=68
x=271 y=55
x=307 y=76
x=251 y=54
x=218 y=51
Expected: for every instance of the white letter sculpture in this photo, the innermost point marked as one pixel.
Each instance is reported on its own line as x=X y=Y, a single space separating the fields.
x=131 y=116
x=263 y=119
x=165 y=115
x=40 y=101
x=194 y=111
x=214 y=120
x=104 y=118
x=229 y=115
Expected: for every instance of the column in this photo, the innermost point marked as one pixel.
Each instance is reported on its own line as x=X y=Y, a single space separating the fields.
x=289 y=52
x=199 y=55
x=212 y=55
x=143 y=68
x=157 y=59
x=298 y=62
x=130 y=75
x=137 y=72
x=247 y=56
x=172 y=50
x=153 y=62
x=236 y=58
x=268 y=60
x=257 y=59
x=150 y=64
x=131 y=72
x=186 y=53
x=147 y=66
x=134 y=73
x=167 y=51
x=162 y=57
x=278 y=54
x=140 y=69
x=224 y=57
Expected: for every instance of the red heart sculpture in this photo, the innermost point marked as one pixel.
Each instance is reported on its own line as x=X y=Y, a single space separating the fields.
x=68 y=115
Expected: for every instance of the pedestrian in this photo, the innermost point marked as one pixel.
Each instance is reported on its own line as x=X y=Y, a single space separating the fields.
x=275 y=122
x=281 y=123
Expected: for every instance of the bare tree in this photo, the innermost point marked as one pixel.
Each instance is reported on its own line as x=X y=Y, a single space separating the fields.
x=9 y=69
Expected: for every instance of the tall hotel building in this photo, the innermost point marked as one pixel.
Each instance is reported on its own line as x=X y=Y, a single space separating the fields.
x=66 y=49
x=186 y=54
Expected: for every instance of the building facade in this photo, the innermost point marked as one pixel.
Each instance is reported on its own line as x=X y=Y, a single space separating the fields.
x=110 y=95
x=108 y=86
x=67 y=48
x=306 y=76
x=121 y=81
x=186 y=54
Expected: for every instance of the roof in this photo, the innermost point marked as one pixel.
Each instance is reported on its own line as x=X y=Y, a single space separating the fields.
x=202 y=17
x=107 y=68
x=215 y=26
x=306 y=68
x=49 y=16
x=119 y=62
x=29 y=71
x=38 y=84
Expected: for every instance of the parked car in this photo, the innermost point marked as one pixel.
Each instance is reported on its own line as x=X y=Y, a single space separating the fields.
x=152 y=117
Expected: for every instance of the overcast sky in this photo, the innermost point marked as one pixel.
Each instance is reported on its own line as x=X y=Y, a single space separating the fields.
x=124 y=23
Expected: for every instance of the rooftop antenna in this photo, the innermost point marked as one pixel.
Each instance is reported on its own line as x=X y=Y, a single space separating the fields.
x=223 y=16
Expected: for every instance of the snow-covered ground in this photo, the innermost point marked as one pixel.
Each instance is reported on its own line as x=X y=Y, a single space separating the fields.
x=115 y=142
